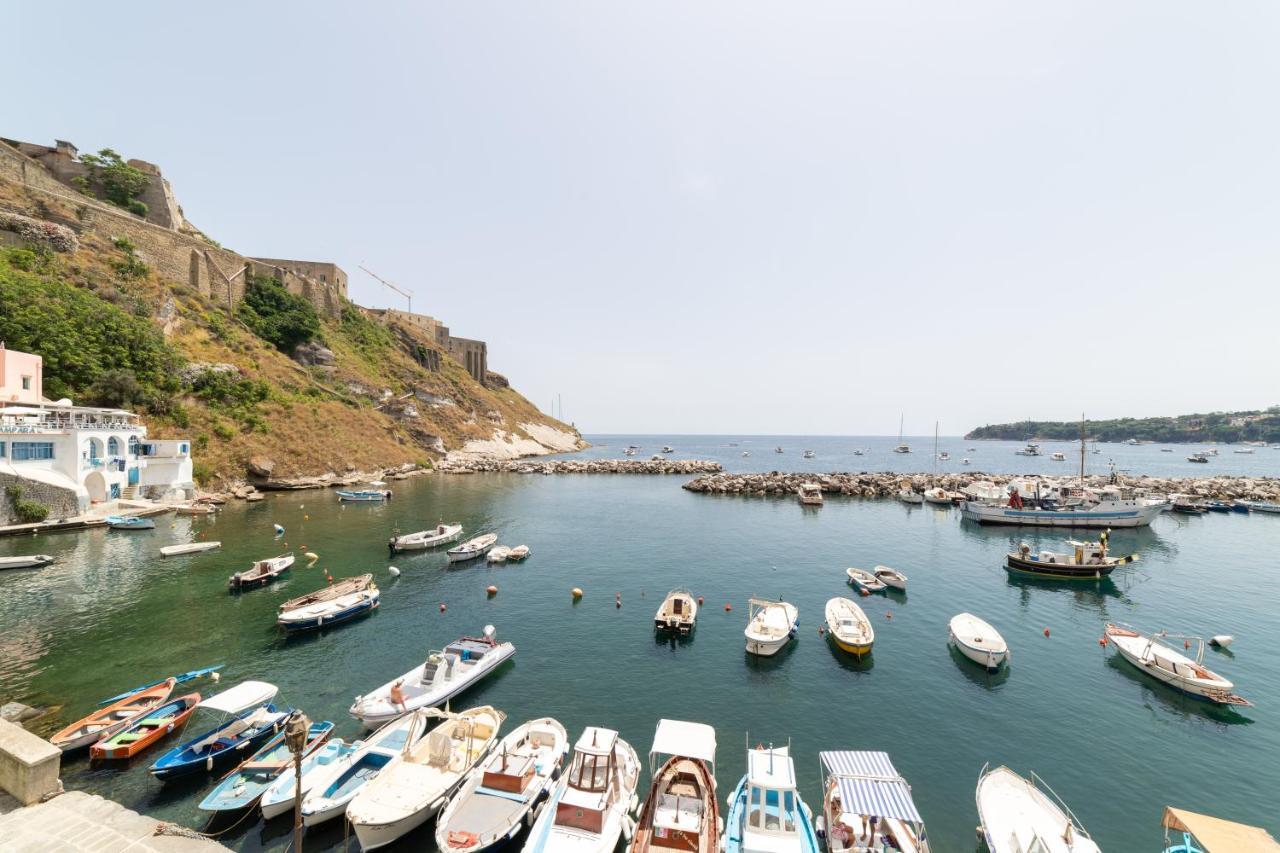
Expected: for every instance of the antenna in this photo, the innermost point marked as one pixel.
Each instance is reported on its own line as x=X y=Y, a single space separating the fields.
x=408 y=296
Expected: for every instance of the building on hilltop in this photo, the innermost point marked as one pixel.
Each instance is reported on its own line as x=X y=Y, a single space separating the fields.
x=471 y=354
x=75 y=456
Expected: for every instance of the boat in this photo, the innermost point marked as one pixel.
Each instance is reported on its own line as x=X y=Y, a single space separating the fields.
x=499 y=554
x=861 y=580
x=105 y=722
x=31 y=561
x=334 y=786
x=1166 y=450
x=1085 y=561
x=188 y=548
x=445 y=673
x=849 y=627
x=1198 y=457
x=414 y=785
x=965 y=461
x=910 y=496
x=978 y=641
x=1212 y=451
x=1032 y=449
x=746 y=453
x=195 y=509
x=282 y=794
x=518 y=554
x=1058 y=456
x=244 y=717
x=1201 y=833
x=345 y=600
x=857 y=451
x=260 y=573
x=891 y=578
x=1185 y=505
x=681 y=811
x=666 y=448
x=499 y=796
x=630 y=451
x=944 y=456
x=146 y=730
x=1067 y=506
x=1155 y=657
x=808 y=454
x=1019 y=815
x=778 y=450
x=809 y=494
x=1261 y=506
x=588 y=808
x=771 y=625
x=242 y=788
x=765 y=810
x=441 y=534
x=859 y=786
x=902 y=446
x=472 y=548
x=1131 y=441
x=365 y=495
x=1243 y=450
x=938 y=496
x=131 y=522
x=181 y=678
x=678 y=612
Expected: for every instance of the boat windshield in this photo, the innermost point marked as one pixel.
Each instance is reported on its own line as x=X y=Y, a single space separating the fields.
x=590 y=772
x=771 y=810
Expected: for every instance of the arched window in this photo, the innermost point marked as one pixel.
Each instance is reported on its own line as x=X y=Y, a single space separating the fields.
x=133 y=445
x=113 y=446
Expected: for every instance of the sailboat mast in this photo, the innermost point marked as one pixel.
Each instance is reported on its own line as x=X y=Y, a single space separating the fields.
x=1082 y=450
x=935 y=449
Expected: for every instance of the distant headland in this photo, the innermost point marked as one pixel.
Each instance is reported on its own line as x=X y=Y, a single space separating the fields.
x=1222 y=427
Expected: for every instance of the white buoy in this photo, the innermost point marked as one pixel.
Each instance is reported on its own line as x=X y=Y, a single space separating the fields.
x=215 y=676
x=395 y=573
x=1222 y=640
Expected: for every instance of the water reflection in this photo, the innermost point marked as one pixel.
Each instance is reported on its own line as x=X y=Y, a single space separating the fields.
x=672 y=639
x=849 y=661
x=978 y=674
x=1182 y=704
x=769 y=663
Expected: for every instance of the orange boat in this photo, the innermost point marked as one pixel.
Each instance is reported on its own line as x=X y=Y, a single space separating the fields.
x=105 y=722
x=154 y=725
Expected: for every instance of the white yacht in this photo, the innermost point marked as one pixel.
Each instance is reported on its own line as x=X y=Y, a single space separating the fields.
x=772 y=625
x=1018 y=816
x=587 y=810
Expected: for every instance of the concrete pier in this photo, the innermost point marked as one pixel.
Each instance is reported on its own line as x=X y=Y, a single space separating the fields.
x=77 y=822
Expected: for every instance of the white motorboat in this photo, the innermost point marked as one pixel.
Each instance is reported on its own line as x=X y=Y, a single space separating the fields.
x=1018 y=815
x=862 y=580
x=944 y=456
x=858 y=785
x=499 y=796
x=322 y=612
x=587 y=810
x=32 y=561
x=1261 y=506
x=849 y=627
x=1159 y=660
x=1058 y=456
x=415 y=785
x=910 y=496
x=978 y=641
x=630 y=451
x=499 y=554
x=472 y=548
x=902 y=448
x=188 y=548
x=938 y=496
x=678 y=613
x=808 y=454
x=809 y=494
x=772 y=625
x=444 y=674
x=1243 y=450
x=441 y=534
x=336 y=785
x=778 y=450
x=1198 y=457
x=746 y=453
x=279 y=798
x=965 y=461
x=891 y=578
x=666 y=448
x=1032 y=449
x=680 y=812
x=858 y=452
x=1067 y=506
x=262 y=572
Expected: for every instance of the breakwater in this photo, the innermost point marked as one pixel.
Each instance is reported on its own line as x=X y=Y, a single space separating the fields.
x=582 y=466
x=884 y=484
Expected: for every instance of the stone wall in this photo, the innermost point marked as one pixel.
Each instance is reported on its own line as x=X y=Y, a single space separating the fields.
x=62 y=503
x=321 y=271
x=430 y=326
x=471 y=354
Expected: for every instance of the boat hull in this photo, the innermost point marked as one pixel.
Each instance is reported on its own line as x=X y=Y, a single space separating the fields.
x=180 y=762
x=35 y=561
x=368 y=602
x=119 y=747
x=385 y=713
x=1139 y=516
x=1057 y=571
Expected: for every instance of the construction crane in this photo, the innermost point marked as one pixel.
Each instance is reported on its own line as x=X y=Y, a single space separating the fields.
x=407 y=296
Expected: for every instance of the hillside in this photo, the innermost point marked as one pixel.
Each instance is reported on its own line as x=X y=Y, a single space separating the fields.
x=1223 y=427
x=270 y=378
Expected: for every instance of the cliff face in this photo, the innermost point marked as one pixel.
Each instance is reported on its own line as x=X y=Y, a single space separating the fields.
x=358 y=391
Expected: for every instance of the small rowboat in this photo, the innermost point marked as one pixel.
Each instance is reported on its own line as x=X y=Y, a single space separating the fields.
x=155 y=725
x=908 y=496
x=518 y=553
x=365 y=495
x=849 y=626
x=891 y=578
x=441 y=534
x=978 y=641
x=194 y=509
x=279 y=798
x=107 y=721
x=133 y=522
x=332 y=611
x=188 y=548
x=861 y=580
x=1153 y=656
x=242 y=788
x=346 y=586
x=245 y=718
x=33 y=561
x=499 y=554
x=472 y=548
x=262 y=573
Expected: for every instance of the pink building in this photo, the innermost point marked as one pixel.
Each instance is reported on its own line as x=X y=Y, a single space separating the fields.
x=20 y=377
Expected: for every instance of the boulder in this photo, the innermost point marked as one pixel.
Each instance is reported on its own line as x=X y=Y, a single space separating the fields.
x=313 y=354
x=16 y=712
x=260 y=466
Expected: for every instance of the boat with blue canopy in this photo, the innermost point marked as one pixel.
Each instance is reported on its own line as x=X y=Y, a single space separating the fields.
x=867 y=805
x=242 y=788
x=244 y=717
x=765 y=811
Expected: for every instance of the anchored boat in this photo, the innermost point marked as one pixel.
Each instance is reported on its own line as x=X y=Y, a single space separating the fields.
x=441 y=534
x=188 y=548
x=34 y=561
x=137 y=736
x=1020 y=815
x=809 y=494
x=1068 y=506
x=678 y=613
x=366 y=495
x=891 y=578
x=242 y=788
x=244 y=718
x=864 y=581
x=1201 y=833
x=849 y=626
x=978 y=641
x=343 y=601
x=1086 y=561
x=681 y=812
x=772 y=625
x=280 y=796
x=472 y=548
x=105 y=722
x=858 y=786
x=765 y=811
x=132 y=522
x=1151 y=655
x=260 y=573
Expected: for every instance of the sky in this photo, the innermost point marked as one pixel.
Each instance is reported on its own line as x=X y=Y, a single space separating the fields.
x=738 y=216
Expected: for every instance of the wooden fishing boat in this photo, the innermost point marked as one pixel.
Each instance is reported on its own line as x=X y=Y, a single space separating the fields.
x=441 y=534
x=1086 y=561
x=241 y=788
x=331 y=611
x=678 y=612
x=784 y=822
x=938 y=496
x=365 y=495
x=132 y=522
x=681 y=811
x=858 y=785
x=891 y=578
x=188 y=548
x=771 y=626
x=32 y=561
x=498 y=798
x=243 y=718
x=105 y=722
x=910 y=496
x=279 y=797
x=861 y=579
x=1020 y=814
x=261 y=573
x=849 y=627
x=1154 y=657
x=137 y=737
x=472 y=548
x=334 y=590
x=978 y=641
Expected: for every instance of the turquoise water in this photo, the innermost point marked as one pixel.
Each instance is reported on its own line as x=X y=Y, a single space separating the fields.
x=111 y=614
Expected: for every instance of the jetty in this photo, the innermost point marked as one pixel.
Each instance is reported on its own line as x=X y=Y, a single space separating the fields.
x=582 y=466
x=886 y=484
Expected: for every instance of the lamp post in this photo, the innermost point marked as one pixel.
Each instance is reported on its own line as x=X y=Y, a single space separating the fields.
x=295 y=735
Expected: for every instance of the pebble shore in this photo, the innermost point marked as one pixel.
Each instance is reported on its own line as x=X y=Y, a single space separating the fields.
x=582 y=466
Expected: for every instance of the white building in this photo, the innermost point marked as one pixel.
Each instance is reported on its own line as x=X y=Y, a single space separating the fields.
x=100 y=454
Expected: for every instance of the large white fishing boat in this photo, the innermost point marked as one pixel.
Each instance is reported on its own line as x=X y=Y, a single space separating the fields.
x=1153 y=656
x=1067 y=506
x=1018 y=816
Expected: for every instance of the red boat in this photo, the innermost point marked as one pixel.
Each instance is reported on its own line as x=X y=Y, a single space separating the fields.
x=105 y=722
x=142 y=733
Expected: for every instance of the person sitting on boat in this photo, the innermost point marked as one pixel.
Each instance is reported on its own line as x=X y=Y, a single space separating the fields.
x=397 y=694
x=1015 y=499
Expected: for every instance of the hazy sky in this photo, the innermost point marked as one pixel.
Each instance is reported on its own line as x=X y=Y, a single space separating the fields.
x=735 y=216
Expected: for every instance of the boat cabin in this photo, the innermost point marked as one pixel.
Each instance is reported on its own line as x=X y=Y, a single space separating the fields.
x=445 y=664
x=772 y=820
x=590 y=790
x=683 y=802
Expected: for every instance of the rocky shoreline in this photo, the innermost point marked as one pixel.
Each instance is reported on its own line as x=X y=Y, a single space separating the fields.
x=885 y=484
x=581 y=466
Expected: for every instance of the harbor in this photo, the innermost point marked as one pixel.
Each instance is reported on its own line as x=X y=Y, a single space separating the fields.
x=949 y=717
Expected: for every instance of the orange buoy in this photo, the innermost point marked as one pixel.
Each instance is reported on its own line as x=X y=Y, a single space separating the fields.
x=864 y=592
x=492 y=590
x=442 y=607
x=699 y=601
x=1046 y=632
x=1186 y=644
x=727 y=607
x=1102 y=641
x=888 y=614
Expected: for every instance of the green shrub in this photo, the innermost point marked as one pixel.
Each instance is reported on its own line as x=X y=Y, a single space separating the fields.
x=201 y=471
x=130 y=266
x=121 y=183
x=117 y=388
x=277 y=316
x=28 y=512
x=224 y=431
x=138 y=207
x=230 y=390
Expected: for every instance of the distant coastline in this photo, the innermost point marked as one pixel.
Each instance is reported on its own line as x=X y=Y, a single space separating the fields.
x=1259 y=427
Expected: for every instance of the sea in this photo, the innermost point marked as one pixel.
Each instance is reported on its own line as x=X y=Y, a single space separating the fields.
x=1115 y=746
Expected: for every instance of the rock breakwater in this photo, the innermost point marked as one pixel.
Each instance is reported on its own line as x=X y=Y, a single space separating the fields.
x=581 y=466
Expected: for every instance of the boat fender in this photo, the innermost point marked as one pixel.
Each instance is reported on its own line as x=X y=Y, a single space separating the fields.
x=628 y=827
x=208 y=763
x=442 y=608
x=820 y=826
x=634 y=804
x=888 y=614
x=576 y=592
x=1102 y=641
x=492 y=590
x=727 y=607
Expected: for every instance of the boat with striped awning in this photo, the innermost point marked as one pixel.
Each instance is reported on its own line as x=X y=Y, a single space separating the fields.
x=867 y=806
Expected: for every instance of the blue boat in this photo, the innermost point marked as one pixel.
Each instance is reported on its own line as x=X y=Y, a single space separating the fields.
x=333 y=789
x=366 y=495
x=245 y=718
x=242 y=788
x=132 y=522
x=177 y=679
x=765 y=811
